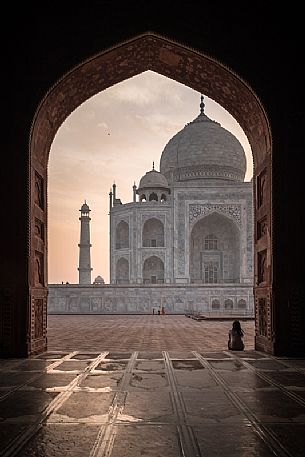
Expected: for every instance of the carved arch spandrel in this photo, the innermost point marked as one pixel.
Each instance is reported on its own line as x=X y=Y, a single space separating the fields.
x=147 y=52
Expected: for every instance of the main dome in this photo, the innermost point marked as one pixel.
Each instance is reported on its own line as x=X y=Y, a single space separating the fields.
x=203 y=149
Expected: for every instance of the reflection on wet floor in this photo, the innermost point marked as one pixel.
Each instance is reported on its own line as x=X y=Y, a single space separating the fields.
x=176 y=403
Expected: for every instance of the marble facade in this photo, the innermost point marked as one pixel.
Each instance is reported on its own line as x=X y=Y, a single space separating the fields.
x=139 y=299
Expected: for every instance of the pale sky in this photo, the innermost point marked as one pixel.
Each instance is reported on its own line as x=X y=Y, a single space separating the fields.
x=114 y=136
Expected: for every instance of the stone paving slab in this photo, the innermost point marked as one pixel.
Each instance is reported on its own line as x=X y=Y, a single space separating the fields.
x=61 y=440
x=146 y=441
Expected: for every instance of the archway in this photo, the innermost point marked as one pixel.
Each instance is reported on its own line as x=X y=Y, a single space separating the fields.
x=153 y=233
x=122 y=235
x=153 y=270
x=215 y=251
x=196 y=70
x=122 y=271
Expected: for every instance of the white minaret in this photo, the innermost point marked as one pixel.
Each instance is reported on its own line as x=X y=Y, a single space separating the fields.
x=84 y=246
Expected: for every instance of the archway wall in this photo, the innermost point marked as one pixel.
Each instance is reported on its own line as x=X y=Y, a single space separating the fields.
x=198 y=71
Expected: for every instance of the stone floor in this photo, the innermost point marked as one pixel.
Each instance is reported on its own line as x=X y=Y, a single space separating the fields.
x=141 y=332
x=150 y=387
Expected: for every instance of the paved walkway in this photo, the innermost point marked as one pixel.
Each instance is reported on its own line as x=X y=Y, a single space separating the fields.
x=140 y=332
x=186 y=400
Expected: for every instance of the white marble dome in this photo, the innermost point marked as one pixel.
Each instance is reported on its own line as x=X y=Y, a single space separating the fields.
x=203 y=149
x=153 y=179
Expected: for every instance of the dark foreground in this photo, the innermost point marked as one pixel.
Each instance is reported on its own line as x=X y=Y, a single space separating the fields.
x=150 y=388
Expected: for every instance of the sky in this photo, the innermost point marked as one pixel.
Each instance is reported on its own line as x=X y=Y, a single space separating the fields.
x=114 y=137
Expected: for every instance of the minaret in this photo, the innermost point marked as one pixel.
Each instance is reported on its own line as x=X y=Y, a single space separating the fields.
x=84 y=246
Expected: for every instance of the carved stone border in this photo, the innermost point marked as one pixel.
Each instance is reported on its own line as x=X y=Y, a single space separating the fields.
x=166 y=57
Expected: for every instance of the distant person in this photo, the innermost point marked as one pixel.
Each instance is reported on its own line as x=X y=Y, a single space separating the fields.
x=162 y=310
x=236 y=334
x=158 y=312
x=153 y=310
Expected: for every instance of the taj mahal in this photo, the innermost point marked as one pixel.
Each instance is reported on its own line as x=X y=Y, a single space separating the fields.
x=184 y=242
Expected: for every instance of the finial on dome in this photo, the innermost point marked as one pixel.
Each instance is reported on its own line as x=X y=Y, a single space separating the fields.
x=202 y=105
x=153 y=165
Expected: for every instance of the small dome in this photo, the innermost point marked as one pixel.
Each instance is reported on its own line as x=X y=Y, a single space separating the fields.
x=85 y=208
x=153 y=179
x=99 y=280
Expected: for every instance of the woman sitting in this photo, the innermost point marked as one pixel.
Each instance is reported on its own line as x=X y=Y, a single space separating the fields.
x=236 y=334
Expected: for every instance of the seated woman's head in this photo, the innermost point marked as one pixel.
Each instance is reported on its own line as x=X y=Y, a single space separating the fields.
x=236 y=326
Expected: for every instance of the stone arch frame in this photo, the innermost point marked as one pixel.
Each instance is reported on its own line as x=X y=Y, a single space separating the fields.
x=118 y=235
x=202 y=73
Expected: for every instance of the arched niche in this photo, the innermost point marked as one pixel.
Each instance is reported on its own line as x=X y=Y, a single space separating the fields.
x=153 y=233
x=153 y=270
x=153 y=197
x=122 y=235
x=229 y=303
x=241 y=304
x=122 y=271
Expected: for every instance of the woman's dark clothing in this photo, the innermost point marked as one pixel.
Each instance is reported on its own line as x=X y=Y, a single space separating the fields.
x=235 y=342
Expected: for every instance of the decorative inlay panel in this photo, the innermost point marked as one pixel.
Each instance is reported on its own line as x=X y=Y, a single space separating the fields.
x=39 y=229
x=207 y=171
x=39 y=191
x=232 y=211
x=263 y=316
x=159 y=216
x=262 y=188
x=39 y=269
x=262 y=227
x=154 y=253
x=38 y=316
x=261 y=266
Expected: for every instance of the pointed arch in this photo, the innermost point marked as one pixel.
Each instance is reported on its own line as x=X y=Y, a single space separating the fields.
x=194 y=69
